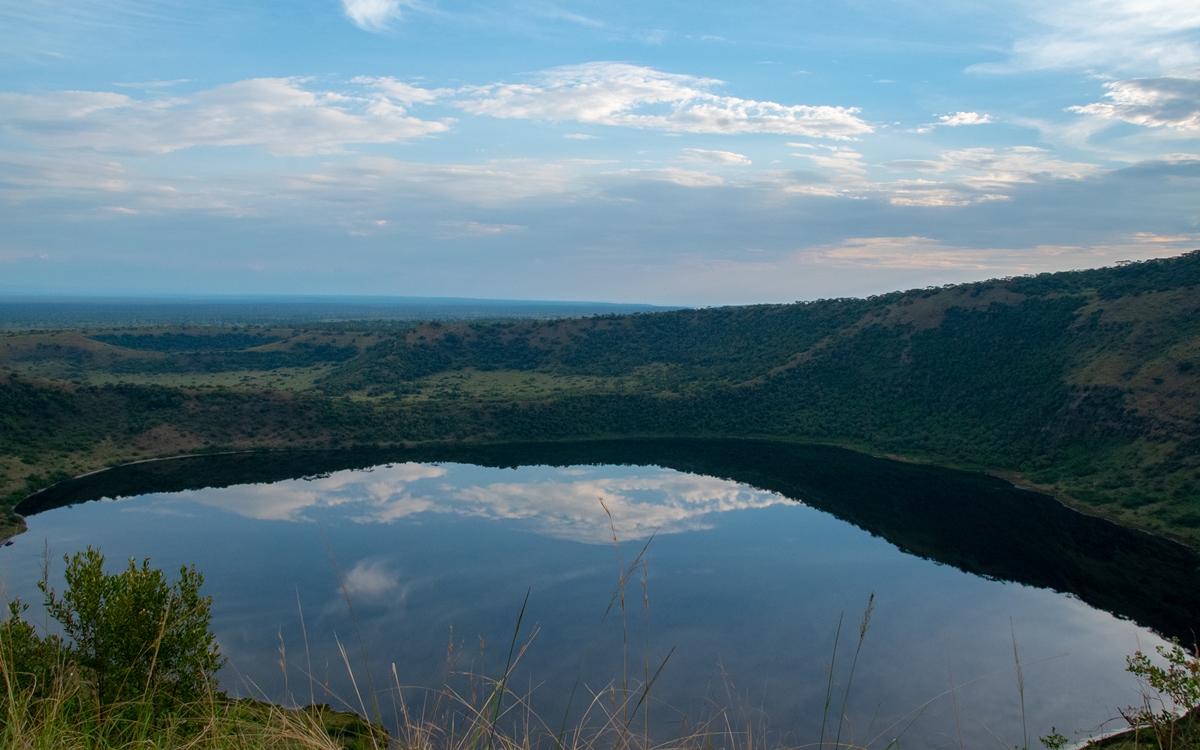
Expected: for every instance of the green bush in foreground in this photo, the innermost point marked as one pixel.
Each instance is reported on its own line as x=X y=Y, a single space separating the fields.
x=137 y=656
x=136 y=635
x=135 y=645
x=137 y=669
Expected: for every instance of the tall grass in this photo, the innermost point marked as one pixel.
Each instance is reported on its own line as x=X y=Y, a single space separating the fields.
x=62 y=717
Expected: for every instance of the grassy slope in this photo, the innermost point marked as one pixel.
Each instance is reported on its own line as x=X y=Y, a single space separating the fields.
x=1086 y=383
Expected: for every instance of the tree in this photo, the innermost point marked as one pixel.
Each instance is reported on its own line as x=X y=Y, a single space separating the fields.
x=140 y=638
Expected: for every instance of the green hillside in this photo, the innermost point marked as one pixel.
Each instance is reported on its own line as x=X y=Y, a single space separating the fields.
x=1086 y=383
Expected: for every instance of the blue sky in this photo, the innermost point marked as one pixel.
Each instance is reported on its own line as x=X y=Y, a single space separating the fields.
x=682 y=153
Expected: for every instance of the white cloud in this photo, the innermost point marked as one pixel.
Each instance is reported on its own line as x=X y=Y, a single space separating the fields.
x=14 y=255
x=932 y=193
x=845 y=163
x=558 y=14
x=909 y=252
x=955 y=120
x=682 y=177
x=1172 y=102
x=399 y=91
x=924 y=253
x=843 y=174
x=478 y=229
x=372 y=15
x=610 y=93
x=964 y=118
x=488 y=184
x=23 y=176
x=151 y=84
x=277 y=114
x=353 y=193
x=1137 y=35
x=1150 y=238
x=706 y=156
x=964 y=176
x=992 y=169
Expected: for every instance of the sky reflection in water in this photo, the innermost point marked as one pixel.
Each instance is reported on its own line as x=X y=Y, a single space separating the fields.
x=567 y=504
x=746 y=585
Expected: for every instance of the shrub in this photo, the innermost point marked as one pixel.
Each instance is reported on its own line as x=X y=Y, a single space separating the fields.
x=138 y=638
x=28 y=662
x=1170 y=696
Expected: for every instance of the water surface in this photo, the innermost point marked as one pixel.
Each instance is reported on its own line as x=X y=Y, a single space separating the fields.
x=758 y=551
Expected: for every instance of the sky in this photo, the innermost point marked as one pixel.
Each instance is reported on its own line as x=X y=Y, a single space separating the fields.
x=688 y=153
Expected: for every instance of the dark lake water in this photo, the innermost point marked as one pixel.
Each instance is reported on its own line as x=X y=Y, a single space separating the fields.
x=758 y=550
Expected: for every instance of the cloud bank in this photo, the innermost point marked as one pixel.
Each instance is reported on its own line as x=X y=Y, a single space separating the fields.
x=288 y=117
x=277 y=114
x=1119 y=35
x=612 y=93
x=1171 y=102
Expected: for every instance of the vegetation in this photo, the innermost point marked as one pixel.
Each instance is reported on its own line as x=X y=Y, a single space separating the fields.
x=1085 y=384
x=136 y=641
x=137 y=668
x=112 y=619
x=1170 y=697
x=1168 y=717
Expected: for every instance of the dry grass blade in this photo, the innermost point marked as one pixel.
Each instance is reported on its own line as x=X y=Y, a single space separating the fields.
x=862 y=636
x=498 y=696
x=357 y=632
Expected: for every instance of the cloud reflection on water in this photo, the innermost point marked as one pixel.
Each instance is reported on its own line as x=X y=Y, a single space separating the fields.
x=373 y=579
x=564 y=504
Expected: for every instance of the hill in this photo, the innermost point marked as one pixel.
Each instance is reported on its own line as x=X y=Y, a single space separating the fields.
x=1084 y=383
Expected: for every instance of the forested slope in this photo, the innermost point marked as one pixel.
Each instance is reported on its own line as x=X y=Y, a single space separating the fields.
x=1086 y=382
